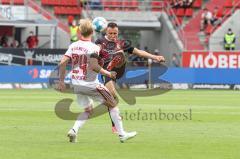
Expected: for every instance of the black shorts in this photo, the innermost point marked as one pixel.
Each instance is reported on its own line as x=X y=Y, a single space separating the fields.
x=120 y=72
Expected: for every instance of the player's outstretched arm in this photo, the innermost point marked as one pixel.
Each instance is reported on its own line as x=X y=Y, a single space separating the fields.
x=62 y=71
x=97 y=68
x=145 y=54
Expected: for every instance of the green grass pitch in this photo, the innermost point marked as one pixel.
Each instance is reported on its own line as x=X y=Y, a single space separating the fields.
x=29 y=128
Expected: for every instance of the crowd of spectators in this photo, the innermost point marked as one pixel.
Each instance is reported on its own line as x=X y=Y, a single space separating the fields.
x=210 y=18
x=181 y=3
x=9 y=42
x=6 y=43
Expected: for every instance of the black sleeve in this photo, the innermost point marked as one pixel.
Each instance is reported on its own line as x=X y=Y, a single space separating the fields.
x=94 y=55
x=129 y=50
x=98 y=41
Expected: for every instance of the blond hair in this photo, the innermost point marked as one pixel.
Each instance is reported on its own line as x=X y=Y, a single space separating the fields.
x=85 y=27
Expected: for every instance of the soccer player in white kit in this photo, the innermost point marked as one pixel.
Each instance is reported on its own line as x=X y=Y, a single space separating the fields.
x=84 y=74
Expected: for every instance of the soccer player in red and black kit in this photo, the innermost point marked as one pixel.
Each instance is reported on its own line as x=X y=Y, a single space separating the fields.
x=111 y=54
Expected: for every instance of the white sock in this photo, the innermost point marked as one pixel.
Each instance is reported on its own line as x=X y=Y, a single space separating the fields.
x=82 y=118
x=115 y=115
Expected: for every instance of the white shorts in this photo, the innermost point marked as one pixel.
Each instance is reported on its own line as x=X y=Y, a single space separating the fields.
x=86 y=94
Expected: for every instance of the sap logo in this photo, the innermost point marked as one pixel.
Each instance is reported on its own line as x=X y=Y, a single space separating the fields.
x=34 y=73
x=45 y=73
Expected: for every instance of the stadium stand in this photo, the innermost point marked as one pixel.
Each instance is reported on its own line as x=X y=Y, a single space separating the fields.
x=196 y=40
x=156 y=6
x=62 y=7
x=32 y=12
x=184 y=19
x=73 y=3
x=67 y=10
x=216 y=37
x=226 y=11
x=116 y=5
x=14 y=2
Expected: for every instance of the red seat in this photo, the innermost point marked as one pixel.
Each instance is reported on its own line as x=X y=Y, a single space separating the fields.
x=172 y=12
x=237 y=3
x=53 y=2
x=73 y=10
x=49 y=2
x=58 y=2
x=197 y=4
x=134 y=5
x=156 y=5
x=57 y=10
x=76 y=10
x=18 y=2
x=73 y=3
x=220 y=12
x=228 y=11
x=126 y=4
x=180 y=12
x=228 y=4
x=189 y=12
x=117 y=4
x=67 y=10
x=44 y=2
x=67 y=3
x=63 y=3
x=107 y=4
x=130 y=5
x=5 y=1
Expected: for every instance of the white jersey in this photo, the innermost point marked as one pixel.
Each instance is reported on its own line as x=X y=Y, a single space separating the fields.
x=80 y=52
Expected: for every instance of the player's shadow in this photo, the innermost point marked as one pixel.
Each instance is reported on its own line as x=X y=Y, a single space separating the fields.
x=63 y=111
x=62 y=107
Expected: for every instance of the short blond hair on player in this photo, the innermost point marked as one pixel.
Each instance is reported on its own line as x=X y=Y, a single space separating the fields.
x=85 y=27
